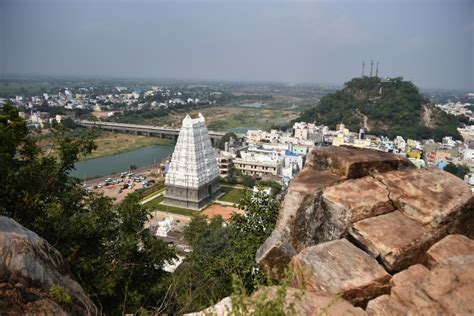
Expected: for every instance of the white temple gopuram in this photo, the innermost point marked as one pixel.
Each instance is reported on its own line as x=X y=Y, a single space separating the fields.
x=192 y=180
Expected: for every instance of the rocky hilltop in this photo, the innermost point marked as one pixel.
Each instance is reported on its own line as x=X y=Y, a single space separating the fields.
x=34 y=279
x=371 y=234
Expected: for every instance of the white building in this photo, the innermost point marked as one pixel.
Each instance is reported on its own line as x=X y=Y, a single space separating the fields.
x=192 y=179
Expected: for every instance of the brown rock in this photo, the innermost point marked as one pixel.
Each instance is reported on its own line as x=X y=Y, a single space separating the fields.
x=446 y=290
x=297 y=223
x=304 y=222
x=338 y=267
x=309 y=303
x=274 y=255
x=29 y=267
x=449 y=247
x=297 y=218
x=18 y=299
x=394 y=238
x=349 y=202
x=295 y=301
x=351 y=162
x=430 y=197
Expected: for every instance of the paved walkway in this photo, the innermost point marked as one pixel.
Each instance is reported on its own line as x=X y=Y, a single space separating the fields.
x=225 y=203
x=152 y=196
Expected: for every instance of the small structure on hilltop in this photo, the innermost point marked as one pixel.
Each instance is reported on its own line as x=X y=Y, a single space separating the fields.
x=192 y=180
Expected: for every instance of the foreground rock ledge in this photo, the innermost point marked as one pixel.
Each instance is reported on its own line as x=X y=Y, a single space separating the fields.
x=446 y=290
x=29 y=267
x=343 y=189
x=302 y=303
x=338 y=267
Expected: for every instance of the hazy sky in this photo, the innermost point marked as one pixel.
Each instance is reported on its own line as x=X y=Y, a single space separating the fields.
x=429 y=42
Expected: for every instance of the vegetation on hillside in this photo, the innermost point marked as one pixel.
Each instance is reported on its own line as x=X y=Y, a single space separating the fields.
x=384 y=107
x=108 y=251
x=222 y=252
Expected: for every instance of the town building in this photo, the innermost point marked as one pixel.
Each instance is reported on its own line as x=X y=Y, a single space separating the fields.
x=192 y=180
x=224 y=160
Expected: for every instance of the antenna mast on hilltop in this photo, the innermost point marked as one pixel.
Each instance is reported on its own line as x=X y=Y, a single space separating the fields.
x=371 y=66
x=377 y=70
x=363 y=67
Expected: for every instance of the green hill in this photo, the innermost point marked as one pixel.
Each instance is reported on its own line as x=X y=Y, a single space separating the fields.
x=383 y=107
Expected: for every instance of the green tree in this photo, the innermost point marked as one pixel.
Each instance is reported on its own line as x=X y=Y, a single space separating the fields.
x=248 y=181
x=226 y=138
x=220 y=251
x=459 y=171
x=106 y=247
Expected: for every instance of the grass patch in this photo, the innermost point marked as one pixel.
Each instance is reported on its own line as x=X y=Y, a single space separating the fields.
x=153 y=204
x=176 y=210
x=156 y=205
x=231 y=194
x=222 y=118
x=109 y=144
x=115 y=143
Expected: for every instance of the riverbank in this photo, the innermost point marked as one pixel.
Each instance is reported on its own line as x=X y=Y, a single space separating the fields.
x=109 y=144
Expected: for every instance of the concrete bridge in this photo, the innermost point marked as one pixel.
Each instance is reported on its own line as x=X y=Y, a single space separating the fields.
x=147 y=130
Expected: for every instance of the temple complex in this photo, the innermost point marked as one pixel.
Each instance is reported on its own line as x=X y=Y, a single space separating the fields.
x=192 y=180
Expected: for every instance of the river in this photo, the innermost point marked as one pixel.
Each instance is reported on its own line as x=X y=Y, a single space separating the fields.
x=103 y=166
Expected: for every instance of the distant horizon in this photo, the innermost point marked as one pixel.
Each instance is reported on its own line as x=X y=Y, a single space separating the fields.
x=429 y=42
x=6 y=77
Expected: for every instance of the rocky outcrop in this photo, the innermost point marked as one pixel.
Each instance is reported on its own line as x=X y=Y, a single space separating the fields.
x=29 y=268
x=447 y=289
x=369 y=227
x=304 y=220
x=367 y=196
x=339 y=267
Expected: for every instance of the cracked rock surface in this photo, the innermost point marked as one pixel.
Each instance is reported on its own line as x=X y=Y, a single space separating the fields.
x=358 y=214
x=29 y=267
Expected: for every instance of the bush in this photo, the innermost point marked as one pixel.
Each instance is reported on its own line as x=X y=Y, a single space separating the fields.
x=59 y=294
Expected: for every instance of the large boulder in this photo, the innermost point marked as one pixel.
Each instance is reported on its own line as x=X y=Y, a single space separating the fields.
x=431 y=197
x=446 y=290
x=395 y=239
x=297 y=218
x=30 y=271
x=349 y=202
x=352 y=162
x=449 y=247
x=275 y=254
x=297 y=223
x=338 y=267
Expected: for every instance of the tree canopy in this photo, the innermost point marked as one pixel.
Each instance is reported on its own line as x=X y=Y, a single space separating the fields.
x=109 y=252
x=222 y=251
